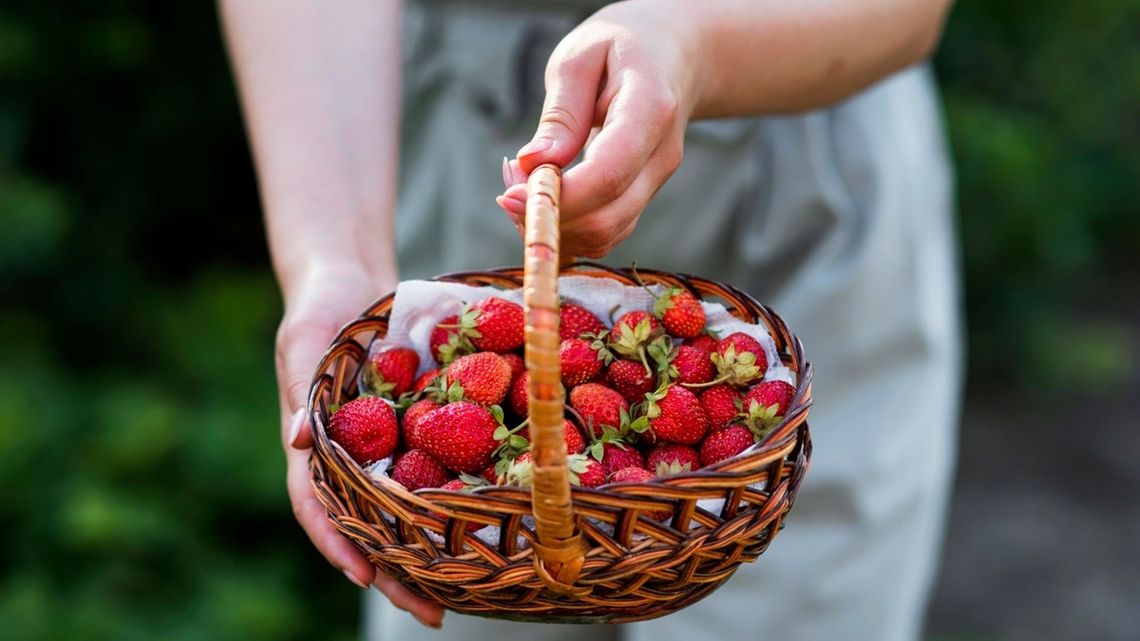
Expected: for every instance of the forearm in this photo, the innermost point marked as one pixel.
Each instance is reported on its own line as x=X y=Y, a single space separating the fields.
x=319 y=84
x=756 y=56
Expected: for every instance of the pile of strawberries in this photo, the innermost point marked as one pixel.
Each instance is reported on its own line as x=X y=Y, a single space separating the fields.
x=652 y=395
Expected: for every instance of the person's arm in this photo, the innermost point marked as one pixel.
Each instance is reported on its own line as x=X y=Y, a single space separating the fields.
x=636 y=72
x=319 y=83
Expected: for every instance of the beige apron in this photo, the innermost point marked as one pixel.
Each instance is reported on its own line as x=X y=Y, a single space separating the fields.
x=840 y=219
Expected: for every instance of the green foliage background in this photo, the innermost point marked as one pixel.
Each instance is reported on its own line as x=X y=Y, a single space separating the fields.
x=141 y=484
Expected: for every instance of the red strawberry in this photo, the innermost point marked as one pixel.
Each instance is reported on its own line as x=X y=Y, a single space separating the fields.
x=675 y=415
x=426 y=380
x=630 y=380
x=390 y=371
x=740 y=359
x=460 y=435
x=574 y=320
x=518 y=366
x=725 y=443
x=616 y=457
x=517 y=397
x=575 y=444
x=582 y=360
x=721 y=404
x=463 y=484
x=766 y=403
x=447 y=342
x=599 y=406
x=640 y=475
x=366 y=428
x=702 y=342
x=455 y=485
x=484 y=377
x=585 y=471
x=680 y=312
x=668 y=458
x=490 y=474
x=494 y=325
x=694 y=367
x=631 y=475
x=632 y=333
x=416 y=469
x=412 y=417
x=773 y=395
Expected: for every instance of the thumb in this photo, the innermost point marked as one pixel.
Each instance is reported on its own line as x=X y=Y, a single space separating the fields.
x=573 y=81
x=298 y=357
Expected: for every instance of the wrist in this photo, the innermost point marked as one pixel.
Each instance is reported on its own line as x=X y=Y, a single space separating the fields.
x=316 y=273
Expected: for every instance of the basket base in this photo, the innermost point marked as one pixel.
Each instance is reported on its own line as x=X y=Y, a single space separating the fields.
x=630 y=615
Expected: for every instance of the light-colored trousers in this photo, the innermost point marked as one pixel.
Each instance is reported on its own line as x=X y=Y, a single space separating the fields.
x=840 y=219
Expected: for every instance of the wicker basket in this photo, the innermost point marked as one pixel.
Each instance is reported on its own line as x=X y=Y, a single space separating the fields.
x=592 y=556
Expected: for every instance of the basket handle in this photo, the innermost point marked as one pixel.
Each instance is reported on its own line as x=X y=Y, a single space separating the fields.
x=560 y=551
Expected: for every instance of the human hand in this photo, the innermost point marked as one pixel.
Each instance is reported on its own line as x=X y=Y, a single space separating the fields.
x=623 y=86
x=316 y=309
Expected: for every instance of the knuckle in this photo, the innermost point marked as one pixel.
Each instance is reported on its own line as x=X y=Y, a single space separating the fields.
x=559 y=117
x=672 y=159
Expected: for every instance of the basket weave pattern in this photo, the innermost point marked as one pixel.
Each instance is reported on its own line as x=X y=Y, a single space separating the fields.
x=636 y=568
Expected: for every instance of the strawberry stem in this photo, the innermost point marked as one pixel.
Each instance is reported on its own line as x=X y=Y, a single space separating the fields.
x=715 y=381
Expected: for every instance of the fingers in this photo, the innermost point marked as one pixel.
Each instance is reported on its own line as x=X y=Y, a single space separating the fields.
x=424 y=611
x=639 y=121
x=596 y=234
x=314 y=520
x=573 y=78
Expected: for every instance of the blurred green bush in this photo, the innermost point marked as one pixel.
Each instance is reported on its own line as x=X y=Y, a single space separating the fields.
x=141 y=491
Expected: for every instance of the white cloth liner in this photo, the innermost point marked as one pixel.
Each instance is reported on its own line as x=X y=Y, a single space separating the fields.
x=420 y=304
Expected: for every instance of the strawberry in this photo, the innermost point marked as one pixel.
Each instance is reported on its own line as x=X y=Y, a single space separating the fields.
x=680 y=312
x=484 y=377
x=630 y=380
x=640 y=475
x=632 y=333
x=447 y=342
x=765 y=404
x=390 y=371
x=518 y=366
x=574 y=320
x=702 y=342
x=456 y=485
x=490 y=474
x=725 y=443
x=721 y=404
x=494 y=325
x=520 y=471
x=412 y=417
x=416 y=469
x=426 y=380
x=675 y=415
x=460 y=435
x=464 y=483
x=585 y=471
x=617 y=456
x=693 y=365
x=582 y=360
x=517 y=397
x=366 y=428
x=668 y=458
x=599 y=406
x=740 y=359
x=575 y=444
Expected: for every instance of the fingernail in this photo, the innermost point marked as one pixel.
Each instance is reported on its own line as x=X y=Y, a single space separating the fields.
x=535 y=146
x=514 y=206
x=518 y=192
x=360 y=584
x=433 y=626
x=295 y=427
x=506 y=172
